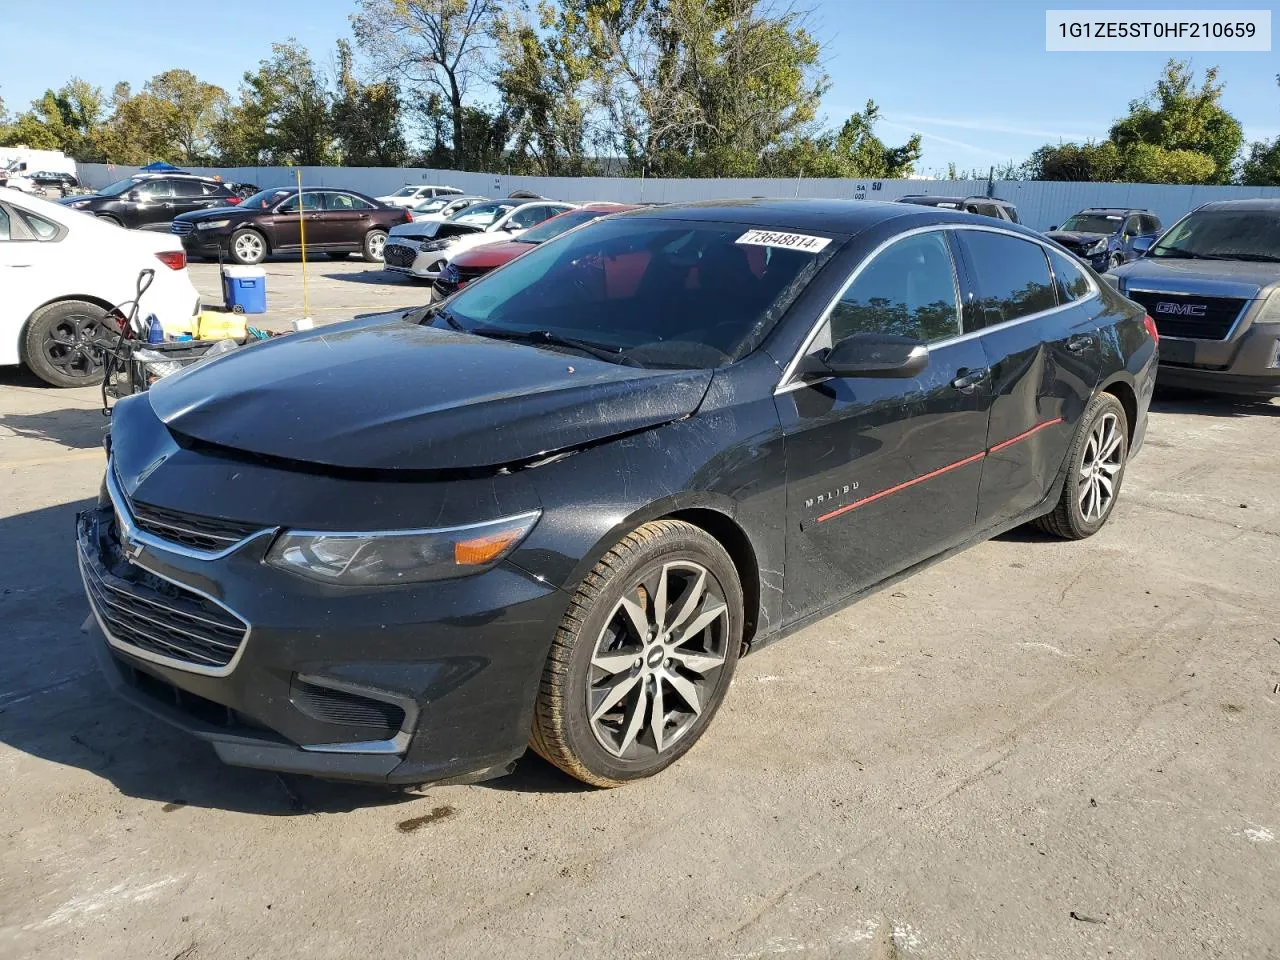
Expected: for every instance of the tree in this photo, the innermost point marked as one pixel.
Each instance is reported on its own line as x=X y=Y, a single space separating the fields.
x=437 y=47
x=1177 y=116
x=366 y=117
x=69 y=119
x=284 y=105
x=850 y=152
x=1091 y=162
x=1261 y=168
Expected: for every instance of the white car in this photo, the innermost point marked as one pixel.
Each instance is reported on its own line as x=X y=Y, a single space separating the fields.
x=415 y=193
x=61 y=272
x=441 y=208
x=423 y=249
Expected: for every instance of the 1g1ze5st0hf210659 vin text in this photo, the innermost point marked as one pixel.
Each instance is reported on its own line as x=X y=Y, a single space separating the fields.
x=555 y=508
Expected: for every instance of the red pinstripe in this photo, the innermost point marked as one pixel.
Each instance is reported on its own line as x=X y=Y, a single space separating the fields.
x=941 y=470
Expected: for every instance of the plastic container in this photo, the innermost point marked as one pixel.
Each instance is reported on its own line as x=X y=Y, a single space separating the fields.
x=221 y=326
x=244 y=289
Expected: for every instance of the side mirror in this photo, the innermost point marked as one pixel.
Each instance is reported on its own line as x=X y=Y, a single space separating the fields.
x=870 y=355
x=1054 y=227
x=1142 y=244
x=135 y=195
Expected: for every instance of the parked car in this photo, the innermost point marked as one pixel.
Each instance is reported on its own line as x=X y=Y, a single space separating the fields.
x=59 y=180
x=555 y=508
x=992 y=207
x=413 y=194
x=1106 y=237
x=243 y=190
x=151 y=201
x=422 y=249
x=1212 y=284
x=471 y=265
x=61 y=274
x=440 y=209
x=337 y=223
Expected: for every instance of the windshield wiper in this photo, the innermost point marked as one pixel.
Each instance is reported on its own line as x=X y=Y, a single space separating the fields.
x=547 y=337
x=1252 y=257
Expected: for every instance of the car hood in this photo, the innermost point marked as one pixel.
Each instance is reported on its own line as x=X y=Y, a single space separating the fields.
x=390 y=395
x=1222 y=278
x=217 y=213
x=492 y=255
x=1075 y=238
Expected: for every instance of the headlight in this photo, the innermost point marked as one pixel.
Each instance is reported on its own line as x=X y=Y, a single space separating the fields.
x=1097 y=248
x=79 y=204
x=411 y=556
x=212 y=224
x=440 y=244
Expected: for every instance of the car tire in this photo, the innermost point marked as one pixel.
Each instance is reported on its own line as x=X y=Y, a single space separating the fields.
x=338 y=254
x=247 y=247
x=65 y=344
x=372 y=246
x=1095 y=469
x=1115 y=260
x=595 y=716
x=108 y=218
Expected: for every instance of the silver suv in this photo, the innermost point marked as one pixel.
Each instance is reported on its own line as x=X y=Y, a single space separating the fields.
x=1212 y=285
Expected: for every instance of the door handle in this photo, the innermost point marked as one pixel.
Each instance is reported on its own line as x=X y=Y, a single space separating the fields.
x=967 y=380
x=1080 y=342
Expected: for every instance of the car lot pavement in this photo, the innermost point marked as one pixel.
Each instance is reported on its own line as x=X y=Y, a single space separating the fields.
x=1034 y=749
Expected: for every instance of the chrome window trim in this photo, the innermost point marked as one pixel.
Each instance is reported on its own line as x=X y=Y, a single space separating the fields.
x=786 y=384
x=132 y=533
x=175 y=663
x=396 y=745
x=1231 y=330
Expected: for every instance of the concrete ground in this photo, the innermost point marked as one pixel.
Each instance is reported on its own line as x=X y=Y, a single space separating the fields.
x=1035 y=749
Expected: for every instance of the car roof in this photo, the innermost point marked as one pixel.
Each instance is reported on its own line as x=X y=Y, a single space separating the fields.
x=930 y=199
x=1124 y=211
x=832 y=216
x=1270 y=205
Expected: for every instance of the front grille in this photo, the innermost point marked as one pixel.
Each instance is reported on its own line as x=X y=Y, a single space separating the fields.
x=181 y=228
x=1190 y=316
x=398 y=256
x=189 y=529
x=351 y=709
x=140 y=610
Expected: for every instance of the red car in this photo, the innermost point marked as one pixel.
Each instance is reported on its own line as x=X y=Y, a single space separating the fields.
x=474 y=264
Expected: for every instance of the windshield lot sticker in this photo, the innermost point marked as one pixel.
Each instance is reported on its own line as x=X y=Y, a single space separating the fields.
x=788 y=241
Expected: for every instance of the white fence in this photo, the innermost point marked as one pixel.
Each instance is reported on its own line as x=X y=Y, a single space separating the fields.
x=1041 y=204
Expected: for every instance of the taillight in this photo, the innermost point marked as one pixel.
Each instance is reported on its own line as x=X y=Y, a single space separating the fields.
x=406 y=217
x=173 y=259
x=233 y=200
x=1151 y=328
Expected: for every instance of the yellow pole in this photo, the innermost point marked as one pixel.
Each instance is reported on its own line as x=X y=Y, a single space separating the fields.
x=302 y=238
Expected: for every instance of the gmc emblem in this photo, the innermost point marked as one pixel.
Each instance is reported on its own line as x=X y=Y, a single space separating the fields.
x=1182 y=309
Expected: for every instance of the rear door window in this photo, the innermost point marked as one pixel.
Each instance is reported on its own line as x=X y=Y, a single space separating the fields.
x=188 y=188
x=909 y=289
x=1012 y=276
x=42 y=228
x=1068 y=278
x=155 y=190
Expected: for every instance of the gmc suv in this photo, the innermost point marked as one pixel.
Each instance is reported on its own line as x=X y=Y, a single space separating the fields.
x=1212 y=285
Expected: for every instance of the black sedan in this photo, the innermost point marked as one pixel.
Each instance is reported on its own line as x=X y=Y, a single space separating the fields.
x=555 y=508
x=328 y=220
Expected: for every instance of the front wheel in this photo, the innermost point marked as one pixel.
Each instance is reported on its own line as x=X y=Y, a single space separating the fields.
x=248 y=247
x=1096 y=462
x=643 y=657
x=374 y=242
x=1115 y=260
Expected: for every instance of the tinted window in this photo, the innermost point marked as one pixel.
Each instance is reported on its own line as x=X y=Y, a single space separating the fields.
x=523 y=219
x=558 y=224
x=1133 y=226
x=1150 y=224
x=1092 y=223
x=908 y=289
x=310 y=201
x=1012 y=276
x=667 y=293
x=188 y=188
x=1070 y=280
x=155 y=190
x=345 y=201
x=210 y=189
x=1223 y=234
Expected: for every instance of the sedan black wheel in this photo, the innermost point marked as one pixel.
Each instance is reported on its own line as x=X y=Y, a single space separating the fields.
x=66 y=344
x=1096 y=461
x=248 y=247
x=643 y=658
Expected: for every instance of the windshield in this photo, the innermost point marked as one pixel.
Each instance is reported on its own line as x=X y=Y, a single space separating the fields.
x=659 y=293
x=482 y=214
x=119 y=187
x=1223 y=235
x=559 y=224
x=431 y=206
x=406 y=191
x=1092 y=223
x=264 y=199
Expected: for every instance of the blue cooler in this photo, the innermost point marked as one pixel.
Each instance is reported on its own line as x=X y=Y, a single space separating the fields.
x=244 y=289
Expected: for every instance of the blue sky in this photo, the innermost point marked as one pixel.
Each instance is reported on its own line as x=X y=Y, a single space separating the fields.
x=972 y=77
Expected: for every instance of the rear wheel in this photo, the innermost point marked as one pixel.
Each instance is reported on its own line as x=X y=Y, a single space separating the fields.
x=1096 y=462
x=643 y=657
x=372 y=247
x=1115 y=260
x=66 y=343
x=248 y=247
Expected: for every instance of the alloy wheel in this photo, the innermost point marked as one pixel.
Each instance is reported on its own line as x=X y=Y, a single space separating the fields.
x=249 y=247
x=77 y=345
x=657 y=660
x=1099 y=466
x=375 y=245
